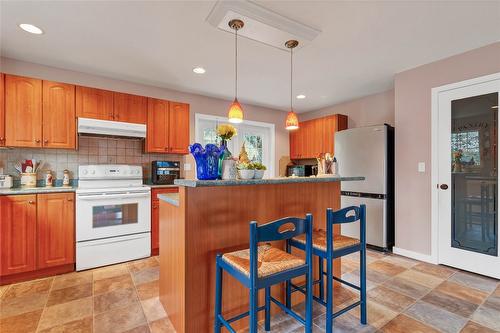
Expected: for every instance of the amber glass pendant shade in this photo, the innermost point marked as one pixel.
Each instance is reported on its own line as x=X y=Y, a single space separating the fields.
x=235 y=114
x=292 y=122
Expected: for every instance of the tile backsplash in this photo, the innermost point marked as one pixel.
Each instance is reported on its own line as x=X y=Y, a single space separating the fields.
x=92 y=150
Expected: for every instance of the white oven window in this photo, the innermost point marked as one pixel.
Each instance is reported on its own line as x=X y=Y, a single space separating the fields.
x=113 y=215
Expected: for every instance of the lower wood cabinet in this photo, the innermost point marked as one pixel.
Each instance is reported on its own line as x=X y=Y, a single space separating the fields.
x=37 y=232
x=155 y=217
x=56 y=229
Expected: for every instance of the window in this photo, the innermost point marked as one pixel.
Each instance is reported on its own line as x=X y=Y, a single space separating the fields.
x=468 y=143
x=258 y=138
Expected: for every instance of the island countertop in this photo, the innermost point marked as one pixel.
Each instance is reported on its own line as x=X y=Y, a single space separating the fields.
x=265 y=181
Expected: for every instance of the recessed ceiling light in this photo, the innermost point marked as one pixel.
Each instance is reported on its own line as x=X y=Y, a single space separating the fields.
x=31 y=28
x=301 y=96
x=199 y=70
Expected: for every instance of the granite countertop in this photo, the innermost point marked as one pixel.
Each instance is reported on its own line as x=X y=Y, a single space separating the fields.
x=171 y=198
x=265 y=181
x=36 y=190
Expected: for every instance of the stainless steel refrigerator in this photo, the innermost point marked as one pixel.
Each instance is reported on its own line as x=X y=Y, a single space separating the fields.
x=369 y=152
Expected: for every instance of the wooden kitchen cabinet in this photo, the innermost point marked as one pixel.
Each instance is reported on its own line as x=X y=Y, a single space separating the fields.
x=158 y=124
x=315 y=137
x=56 y=229
x=23 y=111
x=2 y=110
x=94 y=103
x=178 y=131
x=130 y=108
x=58 y=114
x=155 y=217
x=17 y=234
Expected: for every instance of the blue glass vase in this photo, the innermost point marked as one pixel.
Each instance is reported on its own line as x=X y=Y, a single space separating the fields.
x=207 y=160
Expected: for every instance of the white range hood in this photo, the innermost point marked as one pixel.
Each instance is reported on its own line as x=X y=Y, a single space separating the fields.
x=88 y=126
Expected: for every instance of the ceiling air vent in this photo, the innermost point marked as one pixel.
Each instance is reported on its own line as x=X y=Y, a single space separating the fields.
x=261 y=24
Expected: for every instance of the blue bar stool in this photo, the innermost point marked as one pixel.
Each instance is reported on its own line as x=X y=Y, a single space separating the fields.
x=263 y=266
x=329 y=247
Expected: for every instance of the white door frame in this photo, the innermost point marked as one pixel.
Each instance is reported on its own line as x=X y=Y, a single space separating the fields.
x=271 y=127
x=434 y=257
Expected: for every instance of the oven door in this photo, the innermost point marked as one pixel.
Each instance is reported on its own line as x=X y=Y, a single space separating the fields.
x=112 y=213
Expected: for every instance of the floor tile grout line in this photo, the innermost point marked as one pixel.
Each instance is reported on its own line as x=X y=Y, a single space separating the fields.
x=45 y=305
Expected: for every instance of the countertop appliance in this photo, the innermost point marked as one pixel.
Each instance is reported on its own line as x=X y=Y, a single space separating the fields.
x=110 y=128
x=165 y=172
x=304 y=170
x=6 y=181
x=113 y=215
x=369 y=152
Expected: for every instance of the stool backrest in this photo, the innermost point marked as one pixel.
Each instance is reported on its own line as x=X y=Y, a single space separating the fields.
x=345 y=215
x=282 y=229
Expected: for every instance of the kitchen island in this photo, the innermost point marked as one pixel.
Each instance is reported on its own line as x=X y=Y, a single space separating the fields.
x=208 y=217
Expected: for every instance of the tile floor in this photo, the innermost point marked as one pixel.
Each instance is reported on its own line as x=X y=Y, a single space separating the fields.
x=404 y=295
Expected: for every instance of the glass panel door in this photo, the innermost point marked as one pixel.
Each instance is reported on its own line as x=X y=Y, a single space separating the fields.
x=474 y=173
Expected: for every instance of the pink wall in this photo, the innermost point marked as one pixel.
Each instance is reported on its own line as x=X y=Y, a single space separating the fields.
x=365 y=111
x=413 y=138
x=198 y=103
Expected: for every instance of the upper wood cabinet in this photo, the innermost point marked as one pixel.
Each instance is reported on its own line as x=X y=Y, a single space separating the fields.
x=23 y=111
x=130 y=108
x=94 y=103
x=17 y=234
x=178 y=131
x=59 y=123
x=168 y=127
x=56 y=229
x=2 y=110
x=157 y=132
x=316 y=136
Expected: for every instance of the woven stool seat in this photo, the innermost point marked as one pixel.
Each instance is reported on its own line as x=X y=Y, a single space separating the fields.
x=319 y=240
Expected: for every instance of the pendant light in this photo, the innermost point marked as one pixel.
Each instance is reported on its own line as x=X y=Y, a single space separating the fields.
x=235 y=114
x=292 y=122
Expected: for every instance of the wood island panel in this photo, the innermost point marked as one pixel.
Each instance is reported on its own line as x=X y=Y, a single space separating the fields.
x=216 y=219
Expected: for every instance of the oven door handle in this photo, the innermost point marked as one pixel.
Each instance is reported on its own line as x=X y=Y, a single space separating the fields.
x=113 y=196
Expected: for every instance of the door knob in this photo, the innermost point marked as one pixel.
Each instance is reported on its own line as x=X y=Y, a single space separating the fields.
x=37 y=140
x=45 y=141
x=443 y=186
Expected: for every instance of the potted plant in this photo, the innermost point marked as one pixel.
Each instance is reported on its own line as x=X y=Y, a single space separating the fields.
x=226 y=163
x=245 y=170
x=260 y=169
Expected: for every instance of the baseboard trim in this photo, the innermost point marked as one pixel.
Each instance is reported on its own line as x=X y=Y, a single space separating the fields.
x=414 y=255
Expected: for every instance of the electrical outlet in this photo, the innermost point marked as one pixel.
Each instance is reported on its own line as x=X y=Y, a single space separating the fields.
x=187 y=166
x=421 y=166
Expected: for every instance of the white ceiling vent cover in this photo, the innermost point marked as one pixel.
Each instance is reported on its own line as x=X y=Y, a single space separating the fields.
x=261 y=24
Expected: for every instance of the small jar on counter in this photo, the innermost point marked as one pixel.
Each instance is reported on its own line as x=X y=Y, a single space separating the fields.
x=49 y=179
x=66 y=178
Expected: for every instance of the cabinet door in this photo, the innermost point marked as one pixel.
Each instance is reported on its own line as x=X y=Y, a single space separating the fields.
x=56 y=229
x=94 y=103
x=294 y=154
x=157 y=131
x=2 y=110
x=178 y=131
x=23 y=111
x=130 y=108
x=59 y=123
x=17 y=234
x=315 y=138
x=155 y=217
x=332 y=124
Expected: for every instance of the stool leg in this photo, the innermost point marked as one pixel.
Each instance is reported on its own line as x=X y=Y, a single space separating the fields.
x=253 y=310
x=329 y=296
x=309 y=299
x=362 y=276
x=321 y=280
x=218 y=295
x=268 y=309
x=288 y=293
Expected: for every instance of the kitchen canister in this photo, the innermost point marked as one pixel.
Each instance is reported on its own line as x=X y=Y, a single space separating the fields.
x=66 y=178
x=28 y=180
x=49 y=179
x=229 y=169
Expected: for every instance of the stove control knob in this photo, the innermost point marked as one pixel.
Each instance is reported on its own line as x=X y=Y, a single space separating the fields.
x=84 y=172
x=92 y=172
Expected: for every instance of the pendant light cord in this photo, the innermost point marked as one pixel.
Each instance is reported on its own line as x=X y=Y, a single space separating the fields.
x=291 y=79
x=236 y=63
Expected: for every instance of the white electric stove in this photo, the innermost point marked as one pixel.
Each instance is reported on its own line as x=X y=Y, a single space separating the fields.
x=113 y=215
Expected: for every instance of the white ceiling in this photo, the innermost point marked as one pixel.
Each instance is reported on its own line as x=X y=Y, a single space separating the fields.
x=361 y=47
